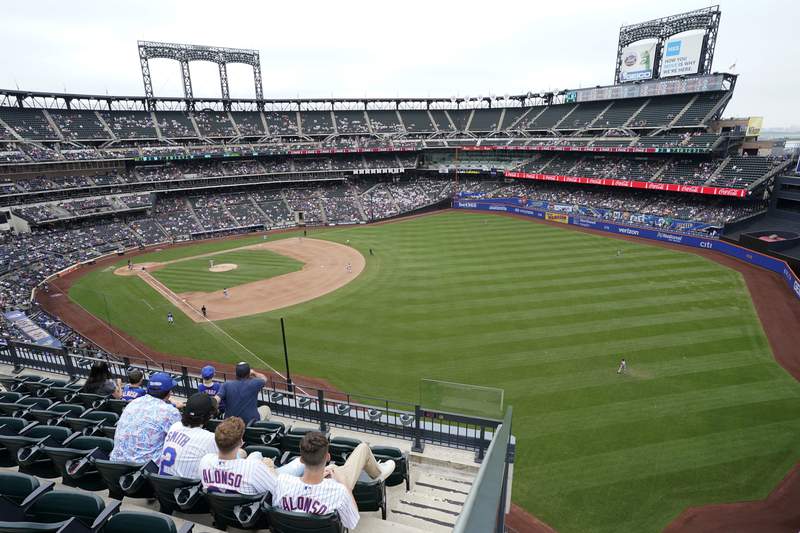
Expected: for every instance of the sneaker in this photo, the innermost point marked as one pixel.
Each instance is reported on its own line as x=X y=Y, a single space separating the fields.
x=386 y=468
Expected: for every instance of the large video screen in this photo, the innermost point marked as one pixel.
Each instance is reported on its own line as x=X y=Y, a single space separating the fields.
x=681 y=55
x=637 y=62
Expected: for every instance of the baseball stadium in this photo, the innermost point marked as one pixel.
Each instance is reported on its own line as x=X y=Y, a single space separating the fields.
x=573 y=310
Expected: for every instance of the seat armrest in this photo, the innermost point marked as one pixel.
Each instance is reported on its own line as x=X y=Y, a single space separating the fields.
x=187 y=527
x=44 y=487
x=112 y=508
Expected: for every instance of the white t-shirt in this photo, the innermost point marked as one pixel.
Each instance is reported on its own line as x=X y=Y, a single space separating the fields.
x=183 y=449
x=243 y=476
x=292 y=494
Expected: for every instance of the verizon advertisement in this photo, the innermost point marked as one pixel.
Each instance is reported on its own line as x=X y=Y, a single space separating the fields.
x=637 y=62
x=682 y=55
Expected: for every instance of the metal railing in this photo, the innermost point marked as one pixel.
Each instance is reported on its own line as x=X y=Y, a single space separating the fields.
x=321 y=407
x=488 y=501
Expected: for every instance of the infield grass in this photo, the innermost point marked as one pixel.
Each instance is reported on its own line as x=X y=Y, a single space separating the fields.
x=704 y=415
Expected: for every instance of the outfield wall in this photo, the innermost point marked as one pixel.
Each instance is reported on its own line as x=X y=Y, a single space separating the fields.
x=507 y=205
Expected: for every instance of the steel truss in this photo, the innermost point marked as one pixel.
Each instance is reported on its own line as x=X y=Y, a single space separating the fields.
x=186 y=53
x=662 y=29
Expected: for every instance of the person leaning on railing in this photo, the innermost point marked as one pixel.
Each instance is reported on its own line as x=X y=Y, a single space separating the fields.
x=241 y=395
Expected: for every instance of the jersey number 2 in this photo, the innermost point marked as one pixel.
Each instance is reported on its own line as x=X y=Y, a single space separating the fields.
x=167 y=459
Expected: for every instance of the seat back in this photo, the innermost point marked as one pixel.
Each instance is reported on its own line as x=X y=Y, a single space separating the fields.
x=341 y=447
x=291 y=441
x=15 y=487
x=115 y=406
x=35 y=403
x=165 y=487
x=14 y=424
x=89 y=400
x=112 y=471
x=268 y=452
x=370 y=494
x=106 y=417
x=264 y=432
x=58 y=506
x=401 y=468
x=237 y=510
x=290 y=522
x=10 y=396
x=72 y=409
x=133 y=522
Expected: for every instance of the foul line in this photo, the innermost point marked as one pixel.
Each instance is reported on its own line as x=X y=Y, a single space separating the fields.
x=108 y=326
x=175 y=300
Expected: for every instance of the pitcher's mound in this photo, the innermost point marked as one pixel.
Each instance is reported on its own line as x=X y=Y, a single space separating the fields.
x=224 y=267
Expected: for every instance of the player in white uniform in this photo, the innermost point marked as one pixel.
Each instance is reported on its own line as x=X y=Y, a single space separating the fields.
x=228 y=471
x=186 y=441
x=623 y=366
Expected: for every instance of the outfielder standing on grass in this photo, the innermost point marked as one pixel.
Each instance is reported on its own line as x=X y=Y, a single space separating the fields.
x=623 y=366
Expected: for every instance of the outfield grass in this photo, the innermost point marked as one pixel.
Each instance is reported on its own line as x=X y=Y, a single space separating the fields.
x=252 y=265
x=705 y=414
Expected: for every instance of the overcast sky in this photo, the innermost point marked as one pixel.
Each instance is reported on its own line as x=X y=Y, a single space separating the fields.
x=369 y=48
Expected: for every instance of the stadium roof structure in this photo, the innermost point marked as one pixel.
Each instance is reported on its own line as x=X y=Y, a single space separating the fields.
x=56 y=100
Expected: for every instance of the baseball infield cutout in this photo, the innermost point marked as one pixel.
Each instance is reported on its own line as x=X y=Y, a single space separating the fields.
x=327 y=266
x=223 y=267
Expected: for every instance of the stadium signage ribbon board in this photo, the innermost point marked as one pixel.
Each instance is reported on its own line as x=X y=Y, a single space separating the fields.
x=568 y=148
x=694 y=84
x=754 y=258
x=671 y=187
x=637 y=62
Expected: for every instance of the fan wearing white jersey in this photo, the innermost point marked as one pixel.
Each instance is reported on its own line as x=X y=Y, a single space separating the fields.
x=186 y=441
x=227 y=471
x=322 y=490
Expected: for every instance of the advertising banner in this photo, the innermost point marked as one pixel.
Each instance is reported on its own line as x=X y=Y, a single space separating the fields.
x=749 y=256
x=754 y=125
x=31 y=329
x=637 y=62
x=557 y=217
x=681 y=55
x=673 y=187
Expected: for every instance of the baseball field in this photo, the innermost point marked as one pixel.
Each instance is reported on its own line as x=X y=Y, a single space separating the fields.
x=704 y=413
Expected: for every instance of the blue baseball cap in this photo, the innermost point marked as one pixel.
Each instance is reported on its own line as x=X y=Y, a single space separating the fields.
x=207 y=372
x=160 y=382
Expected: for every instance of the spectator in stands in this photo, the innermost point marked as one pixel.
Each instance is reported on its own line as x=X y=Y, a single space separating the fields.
x=186 y=441
x=133 y=389
x=100 y=381
x=144 y=423
x=241 y=396
x=229 y=471
x=209 y=386
x=326 y=489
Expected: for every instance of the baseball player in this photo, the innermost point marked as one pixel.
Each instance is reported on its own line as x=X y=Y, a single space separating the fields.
x=623 y=366
x=348 y=267
x=619 y=252
x=204 y=311
x=170 y=318
x=210 y=263
x=130 y=265
x=225 y=292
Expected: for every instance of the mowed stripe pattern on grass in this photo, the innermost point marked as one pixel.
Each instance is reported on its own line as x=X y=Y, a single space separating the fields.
x=705 y=414
x=194 y=275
